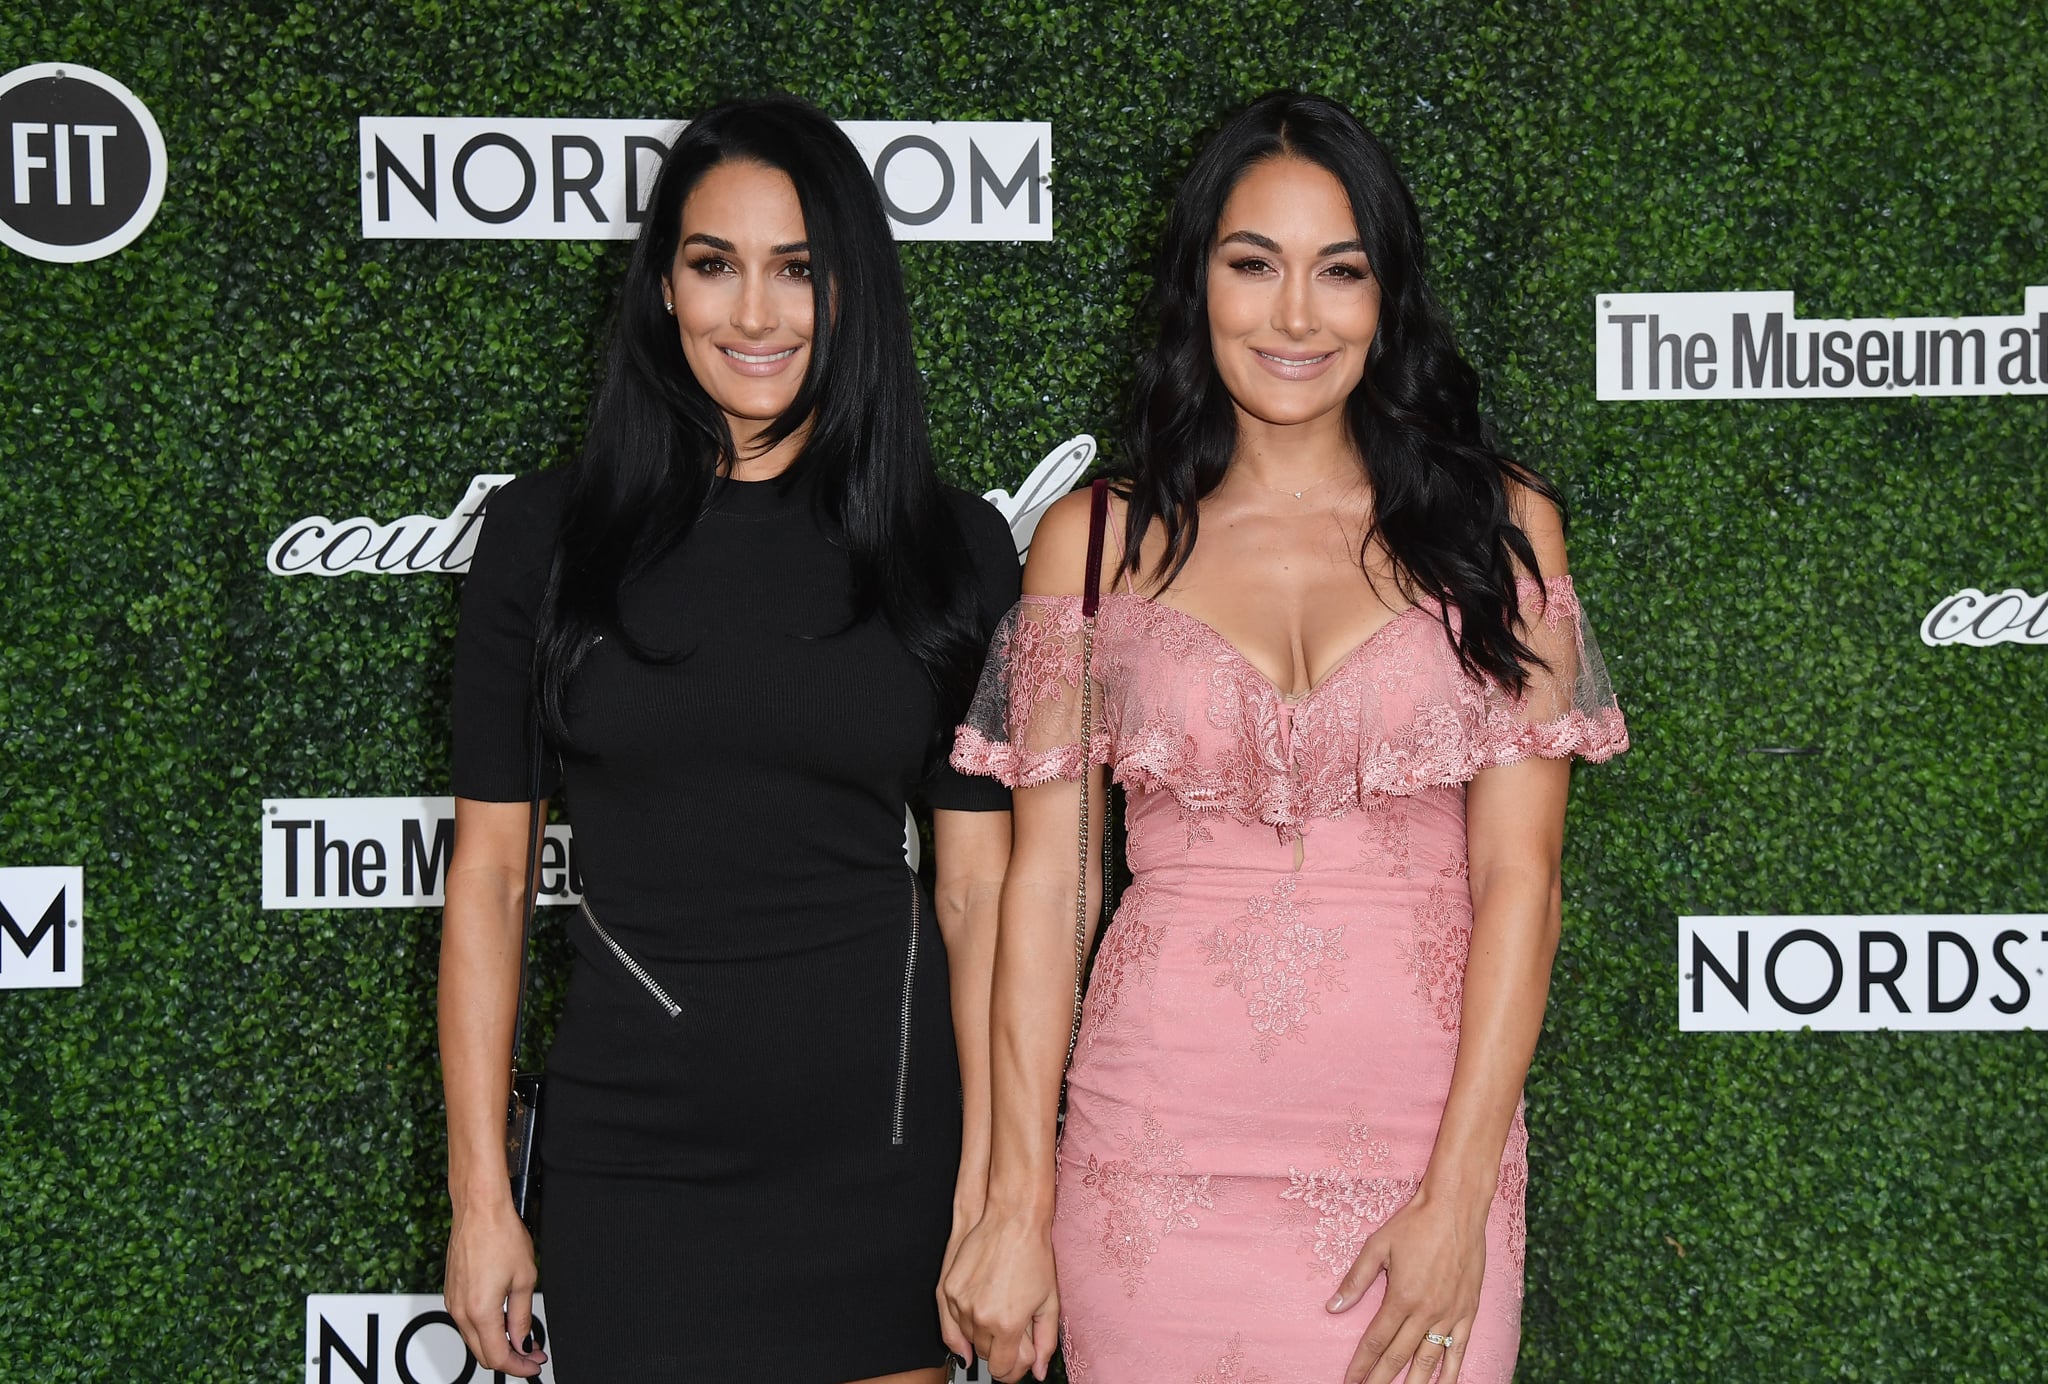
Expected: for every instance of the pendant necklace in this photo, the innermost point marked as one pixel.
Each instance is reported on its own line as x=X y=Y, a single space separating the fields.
x=1297 y=494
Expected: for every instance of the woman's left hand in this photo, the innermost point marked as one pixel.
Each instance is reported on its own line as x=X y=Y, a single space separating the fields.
x=965 y=1217
x=1433 y=1252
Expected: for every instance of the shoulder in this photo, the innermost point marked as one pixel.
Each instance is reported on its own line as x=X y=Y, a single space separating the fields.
x=991 y=550
x=528 y=504
x=1538 y=518
x=520 y=520
x=982 y=526
x=1059 y=548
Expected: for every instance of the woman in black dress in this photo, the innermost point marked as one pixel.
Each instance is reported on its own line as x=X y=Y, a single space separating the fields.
x=748 y=616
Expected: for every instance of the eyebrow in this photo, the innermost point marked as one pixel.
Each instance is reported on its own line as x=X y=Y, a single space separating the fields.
x=1265 y=242
x=795 y=247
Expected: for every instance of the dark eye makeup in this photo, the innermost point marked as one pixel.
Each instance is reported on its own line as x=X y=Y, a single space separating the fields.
x=1256 y=264
x=715 y=265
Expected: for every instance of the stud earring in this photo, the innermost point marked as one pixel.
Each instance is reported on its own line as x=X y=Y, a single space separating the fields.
x=668 y=307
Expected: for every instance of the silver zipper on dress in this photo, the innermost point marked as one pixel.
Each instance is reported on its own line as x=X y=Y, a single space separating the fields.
x=903 y=1038
x=647 y=982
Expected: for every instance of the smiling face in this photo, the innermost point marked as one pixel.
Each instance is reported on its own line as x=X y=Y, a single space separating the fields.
x=1293 y=303
x=741 y=286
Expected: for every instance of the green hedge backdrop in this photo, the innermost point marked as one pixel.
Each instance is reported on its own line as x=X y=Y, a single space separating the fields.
x=241 y=1108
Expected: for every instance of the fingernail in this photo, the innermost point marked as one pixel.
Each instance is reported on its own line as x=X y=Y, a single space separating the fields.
x=1336 y=1303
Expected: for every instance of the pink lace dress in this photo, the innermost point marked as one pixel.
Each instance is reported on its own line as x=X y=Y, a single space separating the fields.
x=1267 y=1047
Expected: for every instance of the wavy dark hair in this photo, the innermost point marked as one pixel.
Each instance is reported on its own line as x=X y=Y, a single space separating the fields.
x=1440 y=484
x=656 y=440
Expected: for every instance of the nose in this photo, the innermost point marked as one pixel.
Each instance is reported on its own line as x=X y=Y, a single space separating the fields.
x=754 y=313
x=1294 y=306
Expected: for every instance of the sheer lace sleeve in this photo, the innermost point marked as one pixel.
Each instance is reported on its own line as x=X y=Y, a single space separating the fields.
x=1568 y=707
x=1024 y=726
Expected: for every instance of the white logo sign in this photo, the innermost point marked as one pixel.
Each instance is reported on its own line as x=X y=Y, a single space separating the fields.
x=1053 y=477
x=324 y=547
x=1971 y=617
x=1921 y=971
x=1753 y=346
x=396 y=1338
x=82 y=165
x=417 y=543
x=381 y=853
x=42 y=927
x=409 y=1338
x=440 y=178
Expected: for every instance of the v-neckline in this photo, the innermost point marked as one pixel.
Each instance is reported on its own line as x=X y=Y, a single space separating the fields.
x=1289 y=699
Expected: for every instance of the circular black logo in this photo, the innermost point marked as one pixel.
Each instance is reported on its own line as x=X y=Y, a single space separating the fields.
x=81 y=163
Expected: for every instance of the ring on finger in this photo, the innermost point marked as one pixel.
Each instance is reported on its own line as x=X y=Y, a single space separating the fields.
x=1438 y=1339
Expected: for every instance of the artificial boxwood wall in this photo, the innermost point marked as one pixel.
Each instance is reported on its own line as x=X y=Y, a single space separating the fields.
x=241 y=1108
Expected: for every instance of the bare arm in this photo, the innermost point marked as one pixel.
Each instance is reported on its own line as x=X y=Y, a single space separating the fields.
x=972 y=850
x=1515 y=824
x=1001 y=1286
x=1514 y=829
x=491 y=1273
x=1434 y=1250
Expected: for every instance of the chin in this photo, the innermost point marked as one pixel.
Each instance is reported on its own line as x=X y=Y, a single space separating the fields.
x=1288 y=413
x=755 y=409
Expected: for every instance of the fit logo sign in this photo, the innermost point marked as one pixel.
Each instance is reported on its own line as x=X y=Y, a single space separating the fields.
x=1754 y=346
x=82 y=164
x=381 y=853
x=1922 y=971
x=434 y=178
x=42 y=927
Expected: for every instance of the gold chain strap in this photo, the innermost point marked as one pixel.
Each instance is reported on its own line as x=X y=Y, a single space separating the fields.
x=1081 y=854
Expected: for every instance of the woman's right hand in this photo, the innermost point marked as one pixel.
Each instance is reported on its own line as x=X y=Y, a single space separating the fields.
x=1003 y=1295
x=489 y=1289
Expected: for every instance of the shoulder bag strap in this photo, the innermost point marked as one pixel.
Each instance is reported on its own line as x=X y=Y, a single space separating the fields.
x=1091 y=598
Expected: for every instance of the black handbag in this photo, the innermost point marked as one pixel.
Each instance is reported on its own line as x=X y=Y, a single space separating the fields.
x=522 y=1110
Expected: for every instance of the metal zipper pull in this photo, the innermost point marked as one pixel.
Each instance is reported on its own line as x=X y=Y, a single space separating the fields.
x=647 y=982
x=903 y=1040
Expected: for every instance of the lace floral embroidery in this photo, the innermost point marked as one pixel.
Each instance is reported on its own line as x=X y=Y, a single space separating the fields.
x=1384 y=840
x=1438 y=948
x=1336 y=1207
x=1181 y=711
x=1231 y=1368
x=1077 y=1367
x=1129 y=955
x=1145 y=1196
x=1279 y=962
x=1194 y=824
x=1512 y=1195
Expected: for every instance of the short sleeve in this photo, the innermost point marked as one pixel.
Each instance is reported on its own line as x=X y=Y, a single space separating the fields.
x=992 y=551
x=1024 y=727
x=1568 y=707
x=494 y=643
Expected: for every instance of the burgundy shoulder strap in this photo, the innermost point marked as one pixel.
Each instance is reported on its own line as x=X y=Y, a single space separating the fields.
x=1098 y=516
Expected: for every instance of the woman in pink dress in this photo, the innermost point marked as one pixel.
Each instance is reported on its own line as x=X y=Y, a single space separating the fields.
x=1293 y=1148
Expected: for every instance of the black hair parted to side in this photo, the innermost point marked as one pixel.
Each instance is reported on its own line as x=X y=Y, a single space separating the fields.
x=656 y=440
x=1441 y=493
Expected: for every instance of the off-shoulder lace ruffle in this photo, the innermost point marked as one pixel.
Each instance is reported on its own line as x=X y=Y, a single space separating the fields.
x=1179 y=710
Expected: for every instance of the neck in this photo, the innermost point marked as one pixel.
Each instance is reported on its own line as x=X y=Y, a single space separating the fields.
x=1294 y=456
x=757 y=462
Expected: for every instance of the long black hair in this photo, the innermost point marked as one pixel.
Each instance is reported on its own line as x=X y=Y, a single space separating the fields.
x=656 y=440
x=1440 y=484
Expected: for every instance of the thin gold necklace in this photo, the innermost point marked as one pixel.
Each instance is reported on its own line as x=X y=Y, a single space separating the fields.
x=1297 y=494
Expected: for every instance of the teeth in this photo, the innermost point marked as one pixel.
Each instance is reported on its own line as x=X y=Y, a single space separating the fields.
x=1292 y=360
x=758 y=360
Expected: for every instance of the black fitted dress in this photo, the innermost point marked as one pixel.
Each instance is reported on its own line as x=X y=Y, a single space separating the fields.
x=761 y=1186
